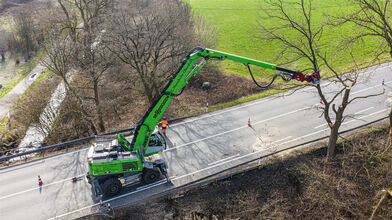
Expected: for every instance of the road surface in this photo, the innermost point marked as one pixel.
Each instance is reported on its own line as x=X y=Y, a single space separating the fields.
x=7 y=101
x=198 y=147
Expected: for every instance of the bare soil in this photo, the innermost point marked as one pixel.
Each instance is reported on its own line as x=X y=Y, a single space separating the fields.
x=123 y=105
x=304 y=186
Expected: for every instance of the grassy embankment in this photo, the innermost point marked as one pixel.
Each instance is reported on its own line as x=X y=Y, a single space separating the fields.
x=238 y=30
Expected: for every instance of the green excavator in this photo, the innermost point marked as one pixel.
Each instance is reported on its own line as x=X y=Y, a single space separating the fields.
x=113 y=163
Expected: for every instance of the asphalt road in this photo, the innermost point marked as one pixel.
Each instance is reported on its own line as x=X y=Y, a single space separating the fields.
x=7 y=101
x=198 y=147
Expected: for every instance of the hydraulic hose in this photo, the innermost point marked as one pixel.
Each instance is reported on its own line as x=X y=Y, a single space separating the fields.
x=285 y=76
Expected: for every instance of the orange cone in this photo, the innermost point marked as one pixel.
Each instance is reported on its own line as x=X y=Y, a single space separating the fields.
x=40 y=182
x=249 y=122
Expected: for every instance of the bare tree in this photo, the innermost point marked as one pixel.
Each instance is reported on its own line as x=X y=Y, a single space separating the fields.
x=92 y=61
x=4 y=38
x=373 y=18
x=70 y=21
x=205 y=32
x=24 y=29
x=152 y=41
x=60 y=61
x=300 y=41
x=29 y=27
x=84 y=52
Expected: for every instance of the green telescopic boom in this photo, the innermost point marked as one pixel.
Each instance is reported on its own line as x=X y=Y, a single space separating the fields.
x=191 y=65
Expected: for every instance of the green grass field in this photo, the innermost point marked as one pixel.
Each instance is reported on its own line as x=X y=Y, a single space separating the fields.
x=238 y=30
x=11 y=74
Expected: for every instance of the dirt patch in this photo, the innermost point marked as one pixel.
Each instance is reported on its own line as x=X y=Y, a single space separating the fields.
x=123 y=105
x=224 y=88
x=305 y=186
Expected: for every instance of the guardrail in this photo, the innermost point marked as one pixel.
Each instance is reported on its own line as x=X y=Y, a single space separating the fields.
x=214 y=178
x=68 y=143
x=64 y=144
x=209 y=178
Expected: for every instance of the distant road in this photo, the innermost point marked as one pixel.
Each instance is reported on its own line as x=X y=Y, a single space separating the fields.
x=198 y=147
x=7 y=101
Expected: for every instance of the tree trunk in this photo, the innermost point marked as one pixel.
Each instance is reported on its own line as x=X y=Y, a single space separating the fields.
x=148 y=91
x=84 y=113
x=390 y=121
x=98 y=107
x=333 y=138
x=2 y=57
x=338 y=122
x=92 y=127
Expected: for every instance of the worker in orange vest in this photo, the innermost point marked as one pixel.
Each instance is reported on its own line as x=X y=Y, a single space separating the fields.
x=164 y=125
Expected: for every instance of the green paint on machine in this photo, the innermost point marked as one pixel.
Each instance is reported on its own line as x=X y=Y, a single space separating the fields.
x=109 y=160
x=115 y=167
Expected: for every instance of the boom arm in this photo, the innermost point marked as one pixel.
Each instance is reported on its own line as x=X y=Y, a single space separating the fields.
x=190 y=66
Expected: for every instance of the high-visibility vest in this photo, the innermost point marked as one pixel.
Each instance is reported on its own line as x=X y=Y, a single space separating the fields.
x=164 y=125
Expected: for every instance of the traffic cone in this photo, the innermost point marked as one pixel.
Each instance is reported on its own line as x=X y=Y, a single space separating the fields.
x=40 y=182
x=382 y=83
x=249 y=122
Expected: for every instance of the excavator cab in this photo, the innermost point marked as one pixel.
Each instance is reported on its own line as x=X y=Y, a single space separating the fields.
x=156 y=144
x=110 y=160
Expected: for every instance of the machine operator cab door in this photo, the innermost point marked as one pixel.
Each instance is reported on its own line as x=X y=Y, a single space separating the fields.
x=156 y=144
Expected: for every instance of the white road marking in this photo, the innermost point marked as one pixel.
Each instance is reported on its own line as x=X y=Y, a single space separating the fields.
x=9 y=169
x=199 y=140
x=146 y=186
x=322 y=125
x=176 y=178
x=298 y=138
x=364 y=110
x=221 y=112
x=109 y=200
x=274 y=142
x=227 y=158
x=74 y=211
x=150 y=186
x=39 y=161
x=43 y=186
x=236 y=129
x=365 y=116
x=374 y=113
x=197 y=171
x=275 y=117
x=372 y=87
